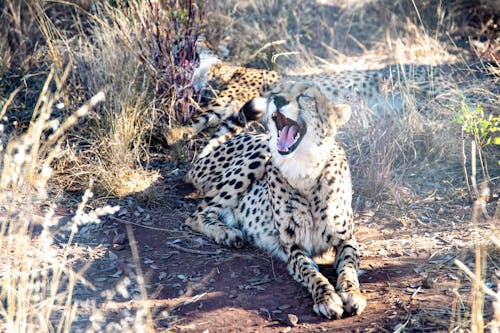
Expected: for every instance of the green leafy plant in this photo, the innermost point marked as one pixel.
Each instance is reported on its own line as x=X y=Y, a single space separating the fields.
x=484 y=131
x=476 y=124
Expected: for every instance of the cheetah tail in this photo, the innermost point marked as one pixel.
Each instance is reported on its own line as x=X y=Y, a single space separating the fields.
x=255 y=109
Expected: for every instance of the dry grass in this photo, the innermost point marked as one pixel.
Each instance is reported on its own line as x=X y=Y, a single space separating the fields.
x=121 y=129
x=116 y=137
x=318 y=31
x=479 y=293
x=37 y=274
x=16 y=36
x=126 y=52
x=37 y=279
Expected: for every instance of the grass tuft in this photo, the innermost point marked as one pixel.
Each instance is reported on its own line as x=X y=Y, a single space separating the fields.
x=36 y=278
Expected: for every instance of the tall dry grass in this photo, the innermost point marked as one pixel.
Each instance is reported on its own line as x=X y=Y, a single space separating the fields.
x=142 y=54
x=479 y=295
x=115 y=140
x=36 y=278
x=104 y=143
x=16 y=36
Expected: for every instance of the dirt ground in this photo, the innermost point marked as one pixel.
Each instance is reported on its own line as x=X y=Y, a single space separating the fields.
x=193 y=285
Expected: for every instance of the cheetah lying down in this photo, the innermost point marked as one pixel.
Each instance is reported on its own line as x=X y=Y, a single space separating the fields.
x=288 y=192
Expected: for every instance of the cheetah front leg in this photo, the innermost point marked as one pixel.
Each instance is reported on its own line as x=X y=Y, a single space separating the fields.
x=304 y=270
x=347 y=265
x=216 y=222
x=214 y=114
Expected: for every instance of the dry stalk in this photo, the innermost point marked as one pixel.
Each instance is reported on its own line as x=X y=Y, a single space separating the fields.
x=140 y=280
x=479 y=287
x=37 y=278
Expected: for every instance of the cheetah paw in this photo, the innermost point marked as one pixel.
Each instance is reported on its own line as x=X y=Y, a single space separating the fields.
x=231 y=237
x=330 y=306
x=354 y=302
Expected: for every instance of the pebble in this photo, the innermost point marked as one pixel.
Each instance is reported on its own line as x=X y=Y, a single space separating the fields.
x=292 y=319
x=122 y=212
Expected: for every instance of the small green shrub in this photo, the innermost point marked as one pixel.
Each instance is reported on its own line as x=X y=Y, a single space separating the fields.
x=483 y=130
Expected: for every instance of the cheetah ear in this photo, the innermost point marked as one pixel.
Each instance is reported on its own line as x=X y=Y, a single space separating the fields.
x=342 y=113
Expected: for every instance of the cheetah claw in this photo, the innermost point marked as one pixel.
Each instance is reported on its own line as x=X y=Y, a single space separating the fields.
x=232 y=238
x=354 y=302
x=330 y=306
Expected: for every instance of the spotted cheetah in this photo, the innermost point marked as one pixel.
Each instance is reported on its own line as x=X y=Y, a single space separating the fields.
x=287 y=191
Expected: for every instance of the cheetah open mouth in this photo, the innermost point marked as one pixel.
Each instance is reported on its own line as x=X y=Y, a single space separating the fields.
x=290 y=133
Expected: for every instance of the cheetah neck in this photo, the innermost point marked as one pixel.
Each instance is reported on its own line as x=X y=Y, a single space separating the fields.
x=302 y=170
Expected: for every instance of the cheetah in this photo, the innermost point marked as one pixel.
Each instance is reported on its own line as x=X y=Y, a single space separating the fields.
x=287 y=191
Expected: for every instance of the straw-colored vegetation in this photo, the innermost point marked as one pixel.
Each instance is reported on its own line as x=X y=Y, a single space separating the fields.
x=89 y=90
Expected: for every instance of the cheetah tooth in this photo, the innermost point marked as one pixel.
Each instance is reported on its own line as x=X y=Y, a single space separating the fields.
x=297 y=137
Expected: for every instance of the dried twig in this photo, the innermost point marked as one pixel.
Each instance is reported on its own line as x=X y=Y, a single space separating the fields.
x=473 y=276
x=139 y=224
x=209 y=253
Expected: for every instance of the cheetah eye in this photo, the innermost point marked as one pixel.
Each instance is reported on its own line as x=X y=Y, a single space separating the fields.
x=280 y=101
x=304 y=99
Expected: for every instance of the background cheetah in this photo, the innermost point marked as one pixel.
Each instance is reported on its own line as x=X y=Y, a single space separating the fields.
x=370 y=92
x=288 y=192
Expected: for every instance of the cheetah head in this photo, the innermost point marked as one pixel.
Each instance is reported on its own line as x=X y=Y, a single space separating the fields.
x=206 y=57
x=302 y=124
x=300 y=118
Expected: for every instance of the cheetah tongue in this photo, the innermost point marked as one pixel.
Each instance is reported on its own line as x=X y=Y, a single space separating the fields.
x=287 y=137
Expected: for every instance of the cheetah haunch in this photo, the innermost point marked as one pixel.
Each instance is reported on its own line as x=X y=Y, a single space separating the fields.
x=288 y=192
